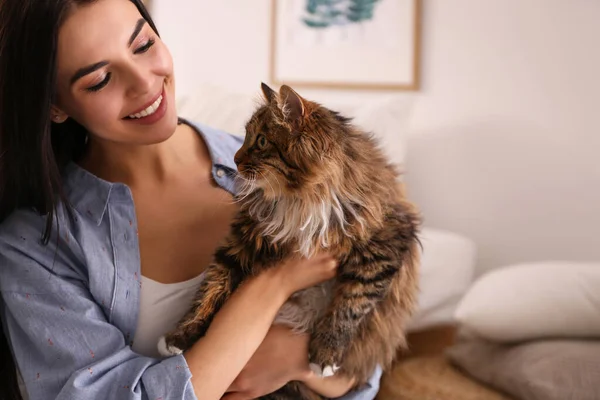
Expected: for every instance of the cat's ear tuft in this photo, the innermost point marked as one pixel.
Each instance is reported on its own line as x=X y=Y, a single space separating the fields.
x=291 y=103
x=269 y=93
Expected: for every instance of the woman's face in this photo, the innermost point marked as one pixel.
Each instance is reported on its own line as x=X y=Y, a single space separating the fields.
x=115 y=76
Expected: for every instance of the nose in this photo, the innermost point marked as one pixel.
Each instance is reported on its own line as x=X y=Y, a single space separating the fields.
x=141 y=81
x=238 y=158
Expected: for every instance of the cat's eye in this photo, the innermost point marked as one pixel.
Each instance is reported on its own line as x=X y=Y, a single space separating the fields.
x=261 y=141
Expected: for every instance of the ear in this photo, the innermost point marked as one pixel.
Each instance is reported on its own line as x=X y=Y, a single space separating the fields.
x=57 y=115
x=291 y=103
x=267 y=92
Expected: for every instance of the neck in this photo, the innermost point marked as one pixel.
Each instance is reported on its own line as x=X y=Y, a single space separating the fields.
x=137 y=165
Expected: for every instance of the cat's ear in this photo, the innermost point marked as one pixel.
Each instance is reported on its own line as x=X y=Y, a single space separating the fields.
x=292 y=103
x=268 y=92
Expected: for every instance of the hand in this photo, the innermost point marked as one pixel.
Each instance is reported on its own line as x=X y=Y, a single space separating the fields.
x=302 y=273
x=282 y=357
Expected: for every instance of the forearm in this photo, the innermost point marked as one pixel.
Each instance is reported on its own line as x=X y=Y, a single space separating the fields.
x=330 y=387
x=234 y=335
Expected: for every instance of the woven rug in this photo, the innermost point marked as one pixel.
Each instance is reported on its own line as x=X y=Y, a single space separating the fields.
x=432 y=378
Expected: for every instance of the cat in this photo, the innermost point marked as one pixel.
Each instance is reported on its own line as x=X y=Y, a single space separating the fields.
x=317 y=182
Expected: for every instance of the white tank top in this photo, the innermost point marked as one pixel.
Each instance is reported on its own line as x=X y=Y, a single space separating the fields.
x=162 y=305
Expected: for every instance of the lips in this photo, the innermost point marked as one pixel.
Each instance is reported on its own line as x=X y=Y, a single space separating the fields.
x=149 y=108
x=153 y=113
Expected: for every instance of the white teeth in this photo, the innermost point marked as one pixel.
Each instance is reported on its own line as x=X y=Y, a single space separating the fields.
x=148 y=111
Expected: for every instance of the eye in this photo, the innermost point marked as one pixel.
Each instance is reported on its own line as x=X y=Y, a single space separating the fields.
x=100 y=85
x=145 y=47
x=261 y=141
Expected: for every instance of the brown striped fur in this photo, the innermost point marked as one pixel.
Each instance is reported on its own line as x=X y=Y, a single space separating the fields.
x=315 y=182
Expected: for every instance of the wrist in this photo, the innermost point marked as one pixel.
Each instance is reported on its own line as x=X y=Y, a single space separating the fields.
x=273 y=281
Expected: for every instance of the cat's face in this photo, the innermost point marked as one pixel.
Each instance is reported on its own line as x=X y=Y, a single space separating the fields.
x=291 y=144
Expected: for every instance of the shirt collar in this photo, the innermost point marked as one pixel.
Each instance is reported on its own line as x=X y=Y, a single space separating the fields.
x=86 y=192
x=219 y=144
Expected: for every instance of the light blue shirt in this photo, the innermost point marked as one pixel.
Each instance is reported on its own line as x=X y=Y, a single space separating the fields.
x=70 y=308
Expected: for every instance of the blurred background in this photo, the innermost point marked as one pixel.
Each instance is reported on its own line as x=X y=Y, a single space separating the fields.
x=536 y=61
x=492 y=109
x=509 y=88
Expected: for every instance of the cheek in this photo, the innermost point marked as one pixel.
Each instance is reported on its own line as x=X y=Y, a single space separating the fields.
x=98 y=112
x=100 y=109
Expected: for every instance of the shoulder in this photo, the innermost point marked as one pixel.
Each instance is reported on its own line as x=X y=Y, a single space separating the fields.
x=20 y=227
x=23 y=252
x=221 y=144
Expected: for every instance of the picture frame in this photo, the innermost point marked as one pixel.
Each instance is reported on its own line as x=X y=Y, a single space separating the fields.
x=346 y=44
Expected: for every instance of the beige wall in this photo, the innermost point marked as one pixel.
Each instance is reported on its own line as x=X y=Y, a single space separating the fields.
x=536 y=60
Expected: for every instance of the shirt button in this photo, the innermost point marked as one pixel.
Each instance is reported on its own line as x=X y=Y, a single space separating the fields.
x=220 y=173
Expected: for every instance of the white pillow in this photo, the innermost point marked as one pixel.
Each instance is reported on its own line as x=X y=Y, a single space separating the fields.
x=446 y=273
x=386 y=117
x=534 y=300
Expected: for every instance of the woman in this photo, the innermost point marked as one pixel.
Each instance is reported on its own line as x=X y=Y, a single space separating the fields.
x=111 y=208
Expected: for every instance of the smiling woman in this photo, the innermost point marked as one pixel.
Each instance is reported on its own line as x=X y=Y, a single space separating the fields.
x=99 y=91
x=103 y=188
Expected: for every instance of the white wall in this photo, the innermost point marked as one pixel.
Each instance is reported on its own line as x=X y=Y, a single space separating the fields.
x=536 y=60
x=528 y=69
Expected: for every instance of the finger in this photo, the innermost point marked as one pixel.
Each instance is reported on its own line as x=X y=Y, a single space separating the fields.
x=329 y=265
x=322 y=259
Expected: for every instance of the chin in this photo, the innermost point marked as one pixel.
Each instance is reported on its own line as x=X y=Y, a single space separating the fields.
x=160 y=131
x=164 y=132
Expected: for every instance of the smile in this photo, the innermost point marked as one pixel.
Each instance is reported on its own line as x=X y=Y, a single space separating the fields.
x=148 y=111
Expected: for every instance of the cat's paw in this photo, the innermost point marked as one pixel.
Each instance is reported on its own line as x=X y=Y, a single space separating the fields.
x=324 y=355
x=167 y=350
x=329 y=370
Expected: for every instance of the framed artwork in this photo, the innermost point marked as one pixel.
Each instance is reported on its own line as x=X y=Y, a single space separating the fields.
x=346 y=44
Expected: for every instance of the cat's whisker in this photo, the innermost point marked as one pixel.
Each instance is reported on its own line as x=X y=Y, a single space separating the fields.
x=271 y=209
x=276 y=180
x=266 y=180
x=247 y=189
x=242 y=190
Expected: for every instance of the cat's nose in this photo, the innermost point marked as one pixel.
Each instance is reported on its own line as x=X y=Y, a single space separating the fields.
x=237 y=159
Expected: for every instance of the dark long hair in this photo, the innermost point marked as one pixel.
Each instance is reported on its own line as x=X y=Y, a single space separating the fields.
x=33 y=150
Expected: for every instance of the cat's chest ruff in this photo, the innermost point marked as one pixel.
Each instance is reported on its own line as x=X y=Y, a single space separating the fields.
x=310 y=225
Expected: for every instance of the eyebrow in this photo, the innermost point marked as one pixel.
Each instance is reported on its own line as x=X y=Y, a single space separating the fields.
x=87 y=70
x=138 y=27
x=91 y=68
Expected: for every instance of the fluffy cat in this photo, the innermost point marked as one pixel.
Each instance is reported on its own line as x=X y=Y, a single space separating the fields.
x=319 y=183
